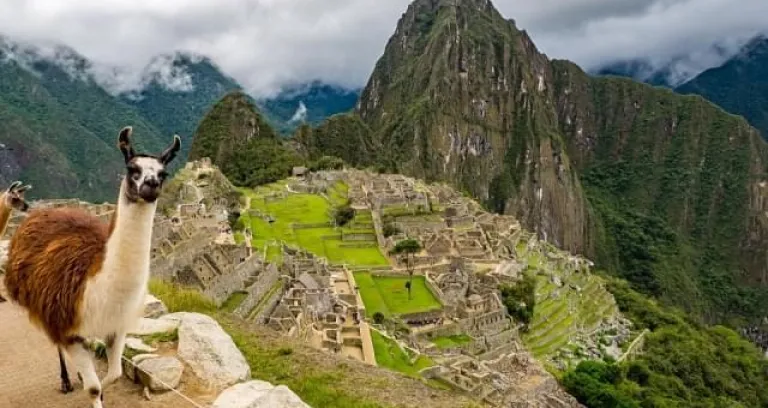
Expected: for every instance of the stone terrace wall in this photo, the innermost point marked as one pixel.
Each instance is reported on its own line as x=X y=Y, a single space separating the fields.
x=258 y=290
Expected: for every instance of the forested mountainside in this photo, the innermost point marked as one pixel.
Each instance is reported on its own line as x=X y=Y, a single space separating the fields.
x=740 y=85
x=662 y=189
x=60 y=121
x=737 y=85
x=58 y=130
x=309 y=103
x=238 y=139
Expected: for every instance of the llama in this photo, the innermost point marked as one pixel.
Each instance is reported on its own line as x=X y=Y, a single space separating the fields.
x=12 y=199
x=81 y=279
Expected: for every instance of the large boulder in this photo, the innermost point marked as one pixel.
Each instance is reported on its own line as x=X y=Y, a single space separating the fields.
x=258 y=394
x=148 y=327
x=209 y=351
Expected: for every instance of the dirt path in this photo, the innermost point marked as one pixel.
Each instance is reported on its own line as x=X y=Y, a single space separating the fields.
x=29 y=373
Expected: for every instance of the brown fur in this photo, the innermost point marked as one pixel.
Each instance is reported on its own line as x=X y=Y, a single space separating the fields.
x=51 y=256
x=5 y=216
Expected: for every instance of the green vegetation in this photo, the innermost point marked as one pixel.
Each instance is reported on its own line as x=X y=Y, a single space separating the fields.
x=389 y=296
x=320 y=100
x=556 y=318
x=234 y=301
x=390 y=355
x=683 y=364
x=446 y=342
x=407 y=248
x=343 y=214
x=237 y=139
x=520 y=299
x=304 y=220
x=59 y=132
x=739 y=85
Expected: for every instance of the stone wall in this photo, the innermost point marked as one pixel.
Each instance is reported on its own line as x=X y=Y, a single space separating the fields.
x=263 y=284
x=269 y=305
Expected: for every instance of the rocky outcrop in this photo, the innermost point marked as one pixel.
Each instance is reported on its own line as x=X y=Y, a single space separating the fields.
x=258 y=394
x=209 y=351
x=153 y=307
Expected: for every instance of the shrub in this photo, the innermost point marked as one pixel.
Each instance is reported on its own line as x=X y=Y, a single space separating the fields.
x=390 y=229
x=378 y=318
x=344 y=214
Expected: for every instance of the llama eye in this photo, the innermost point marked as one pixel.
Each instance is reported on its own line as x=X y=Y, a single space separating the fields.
x=135 y=176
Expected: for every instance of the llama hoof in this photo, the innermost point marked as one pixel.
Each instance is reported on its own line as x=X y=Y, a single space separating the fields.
x=66 y=387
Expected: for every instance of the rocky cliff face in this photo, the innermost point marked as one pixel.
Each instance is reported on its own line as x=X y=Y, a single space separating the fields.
x=461 y=95
x=664 y=190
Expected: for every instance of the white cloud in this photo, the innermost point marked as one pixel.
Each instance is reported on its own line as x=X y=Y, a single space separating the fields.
x=268 y=43
x=301 y=113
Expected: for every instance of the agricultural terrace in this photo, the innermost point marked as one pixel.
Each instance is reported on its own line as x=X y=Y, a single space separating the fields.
x=446 y=342
x=388 y=295
x=306 y=221
x=390 y=355
x=559 y=315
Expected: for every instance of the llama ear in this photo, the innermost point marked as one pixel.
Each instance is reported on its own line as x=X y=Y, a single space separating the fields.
x=124 y=143
x=170 y=152
x=24 y=188
x=14 y=186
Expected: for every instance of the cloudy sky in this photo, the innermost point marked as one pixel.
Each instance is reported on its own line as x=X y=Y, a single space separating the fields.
x=267 y=43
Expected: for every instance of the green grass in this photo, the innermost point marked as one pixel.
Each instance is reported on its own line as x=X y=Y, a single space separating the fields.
x=389 y=296
x=306 y=209
x=390 y=355
x=446 y=342
x=234 y=301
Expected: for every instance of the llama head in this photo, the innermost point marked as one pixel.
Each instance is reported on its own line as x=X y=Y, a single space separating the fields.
x=146 y=173
x=13 y=197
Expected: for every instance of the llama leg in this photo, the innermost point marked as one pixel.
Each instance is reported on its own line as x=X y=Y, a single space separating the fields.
x=115 y=346
x=81 y=357
x=66 y=385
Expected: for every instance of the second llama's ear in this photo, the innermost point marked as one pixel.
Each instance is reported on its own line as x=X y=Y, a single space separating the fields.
x=14 y=186
x=170 y=152
x=124 y=143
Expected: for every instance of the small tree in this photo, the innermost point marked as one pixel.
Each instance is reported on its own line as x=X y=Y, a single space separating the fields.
x=344 y=214
x=378 y=318
x=233 y=217
x=390 y=229
x=407 y=248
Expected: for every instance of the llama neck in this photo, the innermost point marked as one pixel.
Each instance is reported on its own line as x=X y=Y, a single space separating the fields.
x=128 y=247
x=5 y=215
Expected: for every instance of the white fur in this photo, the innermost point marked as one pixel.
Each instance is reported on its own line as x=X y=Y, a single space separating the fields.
x=149 y=166
x=113 y=299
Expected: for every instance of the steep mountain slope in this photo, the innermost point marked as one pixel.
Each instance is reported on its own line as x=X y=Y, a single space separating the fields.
x=239 y=140
x=662 y=189
x=59 y=127
x=310 y=103
x=179 y=110
x=639 y=70
x=740 y=85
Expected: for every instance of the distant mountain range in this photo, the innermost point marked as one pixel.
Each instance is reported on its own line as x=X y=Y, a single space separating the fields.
x=739 y=85
x=60 y=113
